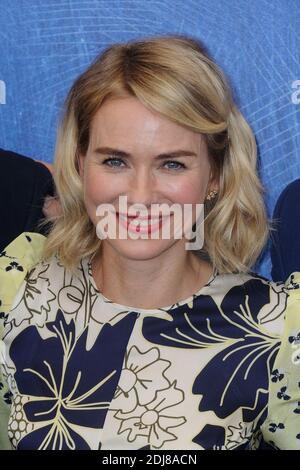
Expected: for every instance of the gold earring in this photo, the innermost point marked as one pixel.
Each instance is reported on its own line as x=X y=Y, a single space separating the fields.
x=211 y=195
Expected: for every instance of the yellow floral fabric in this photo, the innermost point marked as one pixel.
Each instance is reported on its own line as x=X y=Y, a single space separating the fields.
x=282 y=426
x=207 y=328
x=15 y=263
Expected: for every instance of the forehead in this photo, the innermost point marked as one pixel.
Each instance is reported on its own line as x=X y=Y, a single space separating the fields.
x=127 y=119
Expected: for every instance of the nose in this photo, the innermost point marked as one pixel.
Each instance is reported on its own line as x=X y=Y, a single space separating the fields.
x=143 y=188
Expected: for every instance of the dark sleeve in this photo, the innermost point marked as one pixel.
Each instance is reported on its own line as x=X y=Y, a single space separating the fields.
x=24 y=185
x=285 y=241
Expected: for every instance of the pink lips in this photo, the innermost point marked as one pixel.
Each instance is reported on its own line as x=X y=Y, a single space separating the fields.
x=138 y=228
x=137 y=216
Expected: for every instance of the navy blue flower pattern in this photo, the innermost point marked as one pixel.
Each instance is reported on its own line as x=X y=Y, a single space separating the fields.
x=245 y=350
x=97 y=375
x=72 y=394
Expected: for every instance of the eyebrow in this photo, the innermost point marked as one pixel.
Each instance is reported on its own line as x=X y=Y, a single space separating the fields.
x=161 y=156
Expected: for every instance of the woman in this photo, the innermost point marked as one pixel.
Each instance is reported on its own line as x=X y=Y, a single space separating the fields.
x=136 y=343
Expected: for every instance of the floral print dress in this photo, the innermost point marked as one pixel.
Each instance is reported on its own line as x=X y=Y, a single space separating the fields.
x=219 y=370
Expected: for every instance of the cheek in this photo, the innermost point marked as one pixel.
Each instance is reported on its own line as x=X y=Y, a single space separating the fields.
x=97 y=190
x=188 y=190
x=97 y=187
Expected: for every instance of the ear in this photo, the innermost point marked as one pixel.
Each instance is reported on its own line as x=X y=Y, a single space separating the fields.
x=213 y=183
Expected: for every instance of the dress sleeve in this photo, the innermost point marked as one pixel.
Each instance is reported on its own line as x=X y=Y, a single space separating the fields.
x=282 y=426
x=15 y=262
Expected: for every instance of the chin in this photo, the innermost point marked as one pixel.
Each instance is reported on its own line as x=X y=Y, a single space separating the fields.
x=140 y=249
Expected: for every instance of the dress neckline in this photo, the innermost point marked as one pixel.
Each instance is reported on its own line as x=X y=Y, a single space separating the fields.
x=186 y=301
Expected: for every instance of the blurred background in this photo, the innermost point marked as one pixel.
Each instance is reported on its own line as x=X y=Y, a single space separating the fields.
x=46 y=44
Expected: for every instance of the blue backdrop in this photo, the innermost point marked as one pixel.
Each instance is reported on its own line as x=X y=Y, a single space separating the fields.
x=45 y=44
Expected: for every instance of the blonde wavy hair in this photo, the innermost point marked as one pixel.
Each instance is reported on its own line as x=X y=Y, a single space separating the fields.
x=175 y=76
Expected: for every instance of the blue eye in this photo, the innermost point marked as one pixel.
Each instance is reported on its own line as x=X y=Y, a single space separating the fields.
x=108 y=160
x=180 y=166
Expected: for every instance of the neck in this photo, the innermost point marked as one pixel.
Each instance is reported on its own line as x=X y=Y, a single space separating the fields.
x=149 y=283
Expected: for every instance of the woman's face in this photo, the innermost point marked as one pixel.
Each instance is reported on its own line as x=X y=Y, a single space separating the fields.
x=126 y=125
